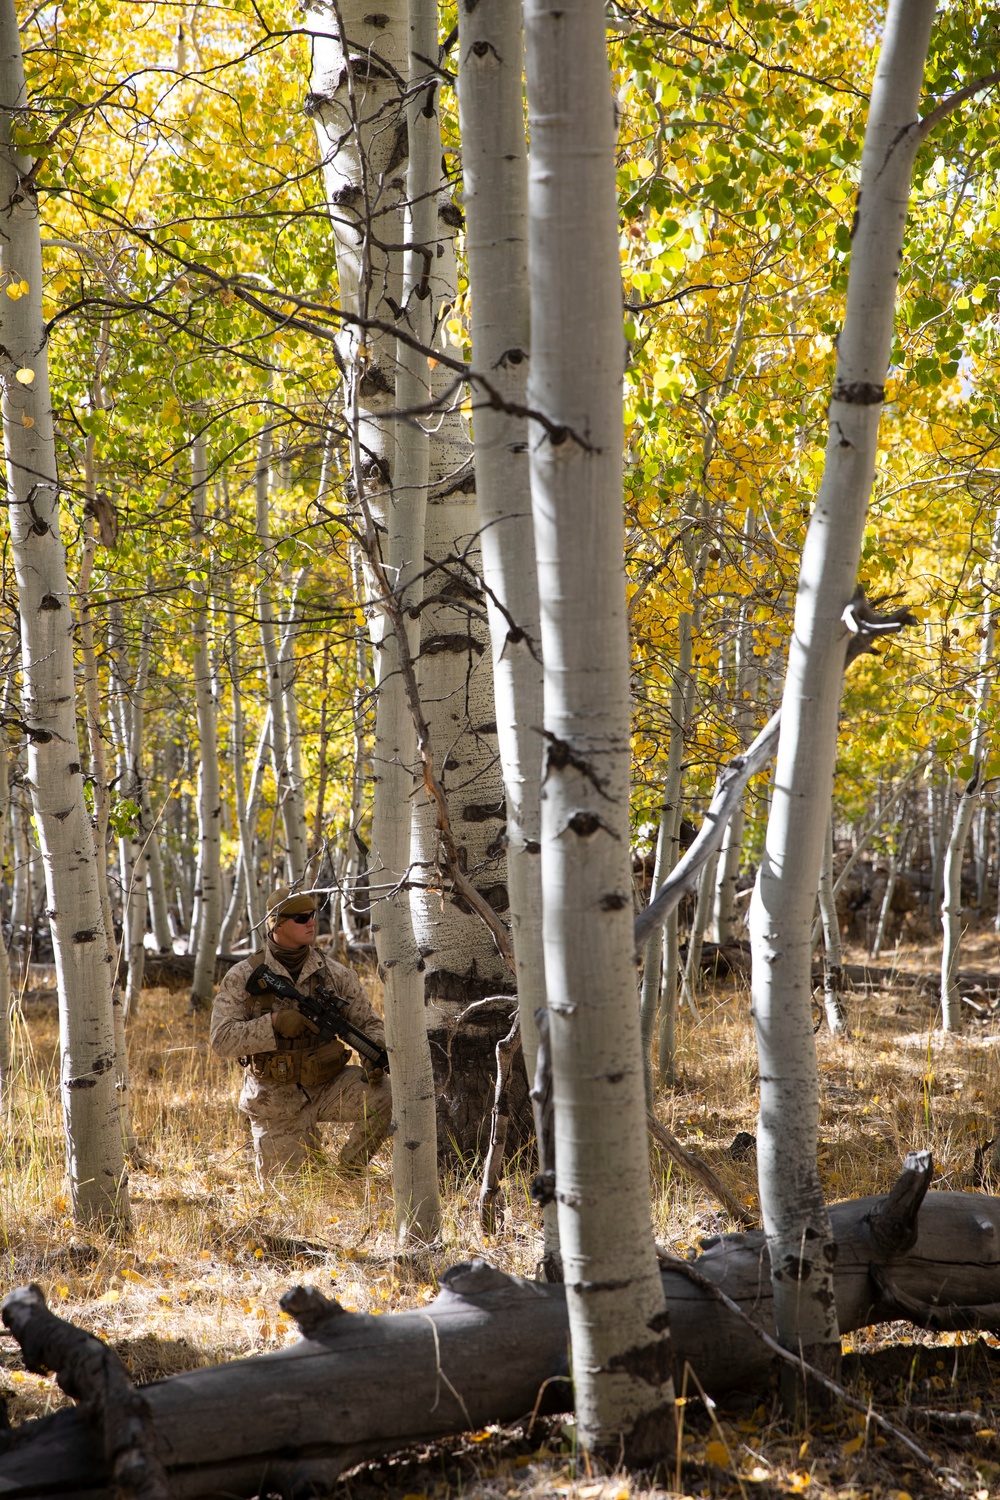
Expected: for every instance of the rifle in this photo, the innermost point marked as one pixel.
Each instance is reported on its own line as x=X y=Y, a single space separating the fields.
x=323 y=1009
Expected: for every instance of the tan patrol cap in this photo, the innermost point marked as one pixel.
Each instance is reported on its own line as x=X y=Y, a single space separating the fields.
x=283 y=902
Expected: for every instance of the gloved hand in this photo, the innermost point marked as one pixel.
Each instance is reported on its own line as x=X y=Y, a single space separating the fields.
x=374 y=1075
x=291 y=1023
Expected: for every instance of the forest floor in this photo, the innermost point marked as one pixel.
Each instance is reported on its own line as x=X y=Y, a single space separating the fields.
x=199 y=1278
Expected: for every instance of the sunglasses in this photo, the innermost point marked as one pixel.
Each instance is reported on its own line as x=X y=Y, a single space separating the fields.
x=303 y=918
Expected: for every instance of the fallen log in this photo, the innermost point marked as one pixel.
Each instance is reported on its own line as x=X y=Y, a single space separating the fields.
x=492 y=1348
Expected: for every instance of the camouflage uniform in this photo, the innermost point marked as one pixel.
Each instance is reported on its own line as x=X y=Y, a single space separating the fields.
x=290 y=1085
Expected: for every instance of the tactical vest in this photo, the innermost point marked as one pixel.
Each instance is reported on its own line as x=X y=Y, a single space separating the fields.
x=299 y=1059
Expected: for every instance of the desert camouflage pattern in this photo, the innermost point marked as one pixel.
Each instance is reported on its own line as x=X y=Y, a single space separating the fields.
x=284 y=1117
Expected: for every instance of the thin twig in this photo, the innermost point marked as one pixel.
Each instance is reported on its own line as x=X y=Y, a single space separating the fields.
x=695 y=1167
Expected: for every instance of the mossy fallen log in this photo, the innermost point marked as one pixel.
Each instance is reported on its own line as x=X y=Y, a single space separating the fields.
x=490 y=1348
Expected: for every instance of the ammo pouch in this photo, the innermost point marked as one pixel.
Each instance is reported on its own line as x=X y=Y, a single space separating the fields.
x=310 y=1068
x=324 y=1064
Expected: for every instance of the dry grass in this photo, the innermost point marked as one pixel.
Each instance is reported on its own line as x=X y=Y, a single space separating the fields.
x=200 y=1277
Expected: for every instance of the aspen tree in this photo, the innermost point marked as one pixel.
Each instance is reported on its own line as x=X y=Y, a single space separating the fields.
x=951 y=905
x=90 y=1101
x=246 y=898
x=832 y=954
x=209 y=887
x=5 y=996
x=128 y=712
x=288 y=786
x=681 y=704
x=463 y=958
x=495 y=199
x=795 y=1217
x=620 y=1344
x=495 y=196
x=358 y=61
x=414 y=1142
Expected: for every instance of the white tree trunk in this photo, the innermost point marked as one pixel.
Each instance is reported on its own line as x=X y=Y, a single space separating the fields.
x=209 y=885
x=652 y=972
x=358 y=112
x=456 y=694
x=287 y=787
x=129 y=698
x=245 y=901
x=726 y=921
x=90 y=1100
x=794 y=1213
x=897 y=857
x=951 y=905
x=832 y=953
x=20 y=896
x=681 y=700
x=620 y=1346
x=159 y=906
x=5 y=996
x=495 y=182
x=699 y=926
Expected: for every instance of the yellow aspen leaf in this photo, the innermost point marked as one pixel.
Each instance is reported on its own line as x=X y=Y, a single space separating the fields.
x=13 y=290
x=25 y=288
x=27 y=421
x=645 y=167
x=798 y=1481
x=25 y=376
x=853 y=1445
x=718 y=1454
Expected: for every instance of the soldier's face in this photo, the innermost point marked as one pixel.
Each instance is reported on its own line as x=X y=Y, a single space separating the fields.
x=294 y=932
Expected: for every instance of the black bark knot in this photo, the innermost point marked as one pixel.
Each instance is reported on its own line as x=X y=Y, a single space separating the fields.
x=613 y=901
x=375 y=382
x=455 y=645
x=858 y=393
x=314 y=104
x=484 y=812
x=378 y=19
x=348 y=195
x=49 y=601
x=650 y=1363
x=85 y=935
x=585 y=823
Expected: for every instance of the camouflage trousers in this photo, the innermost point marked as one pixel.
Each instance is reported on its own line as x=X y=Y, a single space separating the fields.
x=285 y=1118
